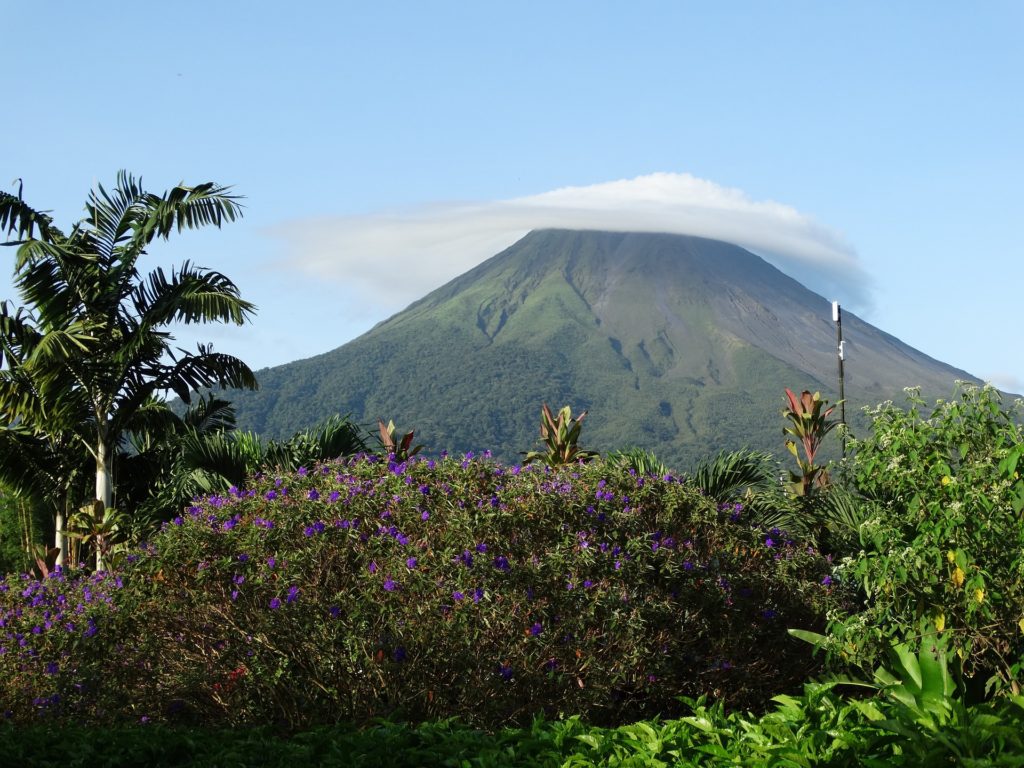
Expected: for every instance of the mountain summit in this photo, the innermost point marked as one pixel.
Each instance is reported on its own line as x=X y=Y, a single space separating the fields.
x=681 y=345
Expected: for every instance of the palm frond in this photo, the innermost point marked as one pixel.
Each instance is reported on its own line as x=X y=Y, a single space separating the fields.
x=730 y=474
x=154 y=420
x=210 y=414
x=189 y=295
x=332 y=438
x=57 y=279
x=113 y=217
x=185 y=376
x=21 y=220
x=231 y=455
x=61 y=344
x=25 y=463
x=640 y=461
x=202 y=370
x=186 y=208
x=18 y=335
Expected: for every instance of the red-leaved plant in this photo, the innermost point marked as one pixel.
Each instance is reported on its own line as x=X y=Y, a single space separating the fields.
x=809 y=423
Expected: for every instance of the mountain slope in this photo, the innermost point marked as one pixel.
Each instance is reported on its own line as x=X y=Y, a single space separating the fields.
x=677 y=344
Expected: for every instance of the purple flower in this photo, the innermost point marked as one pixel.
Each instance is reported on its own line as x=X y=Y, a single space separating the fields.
x=456 y=595
x=827 y=581
x=313 y=494
x=425 y=515
x=502 y=564
x=271 y=562
x=178 y=520
x=410 y=563
x=768 y=542
x=52 y=668
x=293 y=594
x=335 y=611
x=275 y=603
x=536 y=629
x=372 y=567
x=389 y=585
x=270 y=495
x=478 y=594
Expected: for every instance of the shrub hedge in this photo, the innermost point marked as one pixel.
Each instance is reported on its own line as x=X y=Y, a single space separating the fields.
x=423 y=590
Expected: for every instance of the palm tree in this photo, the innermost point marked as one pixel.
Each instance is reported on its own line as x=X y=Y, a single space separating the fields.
x=101 y=349
x=41 y=455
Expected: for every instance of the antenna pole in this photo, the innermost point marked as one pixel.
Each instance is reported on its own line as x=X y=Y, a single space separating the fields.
x=837 y=317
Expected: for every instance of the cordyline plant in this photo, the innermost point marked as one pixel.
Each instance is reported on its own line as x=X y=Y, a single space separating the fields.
x=401 y=449
x=809 y=423
x=561 y=436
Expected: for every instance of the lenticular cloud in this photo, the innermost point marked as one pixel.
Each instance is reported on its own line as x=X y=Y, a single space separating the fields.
x=395 y=258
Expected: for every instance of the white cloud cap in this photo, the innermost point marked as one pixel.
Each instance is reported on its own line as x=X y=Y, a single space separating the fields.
x=396 y=258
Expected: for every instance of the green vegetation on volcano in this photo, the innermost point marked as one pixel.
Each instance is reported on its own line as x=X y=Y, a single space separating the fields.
x=675 y=344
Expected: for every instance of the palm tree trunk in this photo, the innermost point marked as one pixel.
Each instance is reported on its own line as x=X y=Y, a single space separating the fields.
x=104 y=490
x=60 y=541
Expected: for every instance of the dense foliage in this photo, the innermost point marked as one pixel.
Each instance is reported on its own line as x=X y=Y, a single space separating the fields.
x=817 y=728
x=941 y=553
x=423 y=590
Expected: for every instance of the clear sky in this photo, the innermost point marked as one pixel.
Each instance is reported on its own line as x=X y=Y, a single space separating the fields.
x=873 y=150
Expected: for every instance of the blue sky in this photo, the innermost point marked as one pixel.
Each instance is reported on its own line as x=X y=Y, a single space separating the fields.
x=871 y=149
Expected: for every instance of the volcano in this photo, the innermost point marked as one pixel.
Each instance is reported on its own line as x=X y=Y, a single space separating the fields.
x=676 y=344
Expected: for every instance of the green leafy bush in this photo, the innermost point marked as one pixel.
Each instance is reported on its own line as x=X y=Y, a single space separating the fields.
x=816 y=728
x=423 y=590
x=945 y=554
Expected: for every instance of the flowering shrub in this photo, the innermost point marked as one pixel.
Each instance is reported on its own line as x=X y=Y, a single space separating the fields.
x=422 y=590
x=946 y=556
